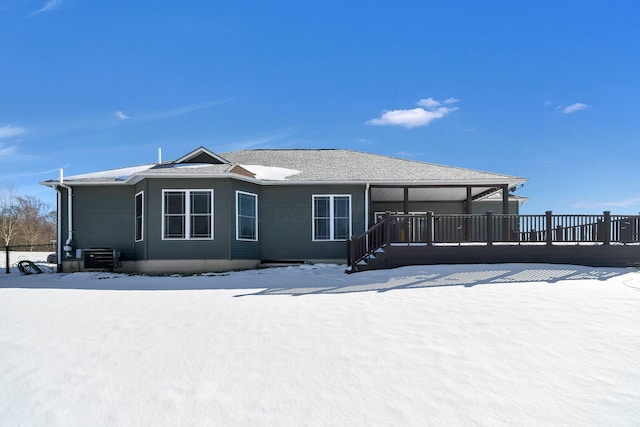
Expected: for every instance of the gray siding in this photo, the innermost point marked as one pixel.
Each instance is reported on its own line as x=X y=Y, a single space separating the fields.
x=286 y=222
x=159 y=249
x=103 y=217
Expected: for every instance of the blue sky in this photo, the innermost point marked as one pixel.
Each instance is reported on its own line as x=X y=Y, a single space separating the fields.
x=547 y=90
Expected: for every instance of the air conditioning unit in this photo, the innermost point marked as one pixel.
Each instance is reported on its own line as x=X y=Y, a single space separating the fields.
x=101 y=259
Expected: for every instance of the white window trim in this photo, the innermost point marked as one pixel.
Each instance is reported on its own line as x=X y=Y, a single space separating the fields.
x=238 y=192
x=331 y=218
x=187 y=226
x=135 y=218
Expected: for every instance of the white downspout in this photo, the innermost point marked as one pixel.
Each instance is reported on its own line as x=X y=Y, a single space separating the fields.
x=59 y=229
x=366 y=207
x=67 y=243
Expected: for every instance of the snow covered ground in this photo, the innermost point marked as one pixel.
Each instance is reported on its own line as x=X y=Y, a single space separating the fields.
x=17 y=256
x=472 y=345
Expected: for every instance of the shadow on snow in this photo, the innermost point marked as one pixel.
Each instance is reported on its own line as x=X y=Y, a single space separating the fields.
x=320 y=279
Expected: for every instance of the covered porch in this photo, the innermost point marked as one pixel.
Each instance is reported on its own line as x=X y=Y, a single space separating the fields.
x=441 y=198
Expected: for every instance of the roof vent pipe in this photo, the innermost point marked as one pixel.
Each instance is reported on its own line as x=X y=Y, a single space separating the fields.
x=159 y=155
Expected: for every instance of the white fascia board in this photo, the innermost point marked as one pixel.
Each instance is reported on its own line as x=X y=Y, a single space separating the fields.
x=142 y=176
x=460 y=183
x=135 y=178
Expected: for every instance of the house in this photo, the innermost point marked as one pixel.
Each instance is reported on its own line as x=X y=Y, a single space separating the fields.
x=211 y=211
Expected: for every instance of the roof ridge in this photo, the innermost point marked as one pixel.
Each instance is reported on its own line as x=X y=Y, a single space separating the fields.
x=287 y=149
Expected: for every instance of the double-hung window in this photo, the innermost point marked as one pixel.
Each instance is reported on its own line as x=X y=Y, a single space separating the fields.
x=187 y=214
x=246 y=216
x=331 y=217
x=139 y=213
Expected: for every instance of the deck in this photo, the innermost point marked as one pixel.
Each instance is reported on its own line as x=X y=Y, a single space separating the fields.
x=398 y=240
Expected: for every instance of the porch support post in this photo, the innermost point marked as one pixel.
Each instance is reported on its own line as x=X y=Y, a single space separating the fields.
x=406 y=200
x=467 y=203
x=505 y=199
x=467 y=211
x=505 y=211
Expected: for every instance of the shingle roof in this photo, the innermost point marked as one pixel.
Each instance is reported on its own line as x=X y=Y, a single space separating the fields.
x=303 y=165
x=348 y=165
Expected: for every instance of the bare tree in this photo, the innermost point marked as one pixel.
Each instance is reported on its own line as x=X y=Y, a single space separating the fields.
x=33 y=221
x=52 y=224
x=8 y=213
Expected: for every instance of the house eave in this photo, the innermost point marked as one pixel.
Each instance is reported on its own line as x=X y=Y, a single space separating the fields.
x=134 y=179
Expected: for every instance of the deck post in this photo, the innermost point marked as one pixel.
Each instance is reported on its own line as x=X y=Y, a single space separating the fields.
x=7 y=267
x=350 y=253
x=430 y=228
x=505 y=200
x=489 y=228
x=467 y=211
x=606 y=238
x=549 y=224
x=387 y=228
x=505 y=212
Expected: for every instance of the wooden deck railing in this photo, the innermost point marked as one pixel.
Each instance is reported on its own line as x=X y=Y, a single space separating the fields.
x=431 y=229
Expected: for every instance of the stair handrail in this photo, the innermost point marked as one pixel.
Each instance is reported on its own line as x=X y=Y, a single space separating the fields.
x=363 y=246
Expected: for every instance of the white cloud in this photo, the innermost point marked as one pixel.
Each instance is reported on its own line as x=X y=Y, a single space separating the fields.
x=181 y=111
x=429 y=110
x=49 y=6
x=624 y=203
x=272 y=140
x=6 y=151
x=407 y=154
x=9 y=131
x=121 y=115
x=429 y=103
x=575 y=107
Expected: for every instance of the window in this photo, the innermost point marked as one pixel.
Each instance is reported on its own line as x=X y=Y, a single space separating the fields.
x=139 y=209
x=246 y=216
x=331 y=217
x=187 y=214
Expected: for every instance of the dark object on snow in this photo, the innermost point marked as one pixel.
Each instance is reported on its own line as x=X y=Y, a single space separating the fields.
x=52 y=259
x=28 y=267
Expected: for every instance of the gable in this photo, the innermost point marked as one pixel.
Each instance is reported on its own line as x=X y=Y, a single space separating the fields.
x=202 y=155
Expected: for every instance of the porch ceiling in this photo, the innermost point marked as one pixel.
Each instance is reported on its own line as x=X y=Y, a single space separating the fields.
x=383 y=194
